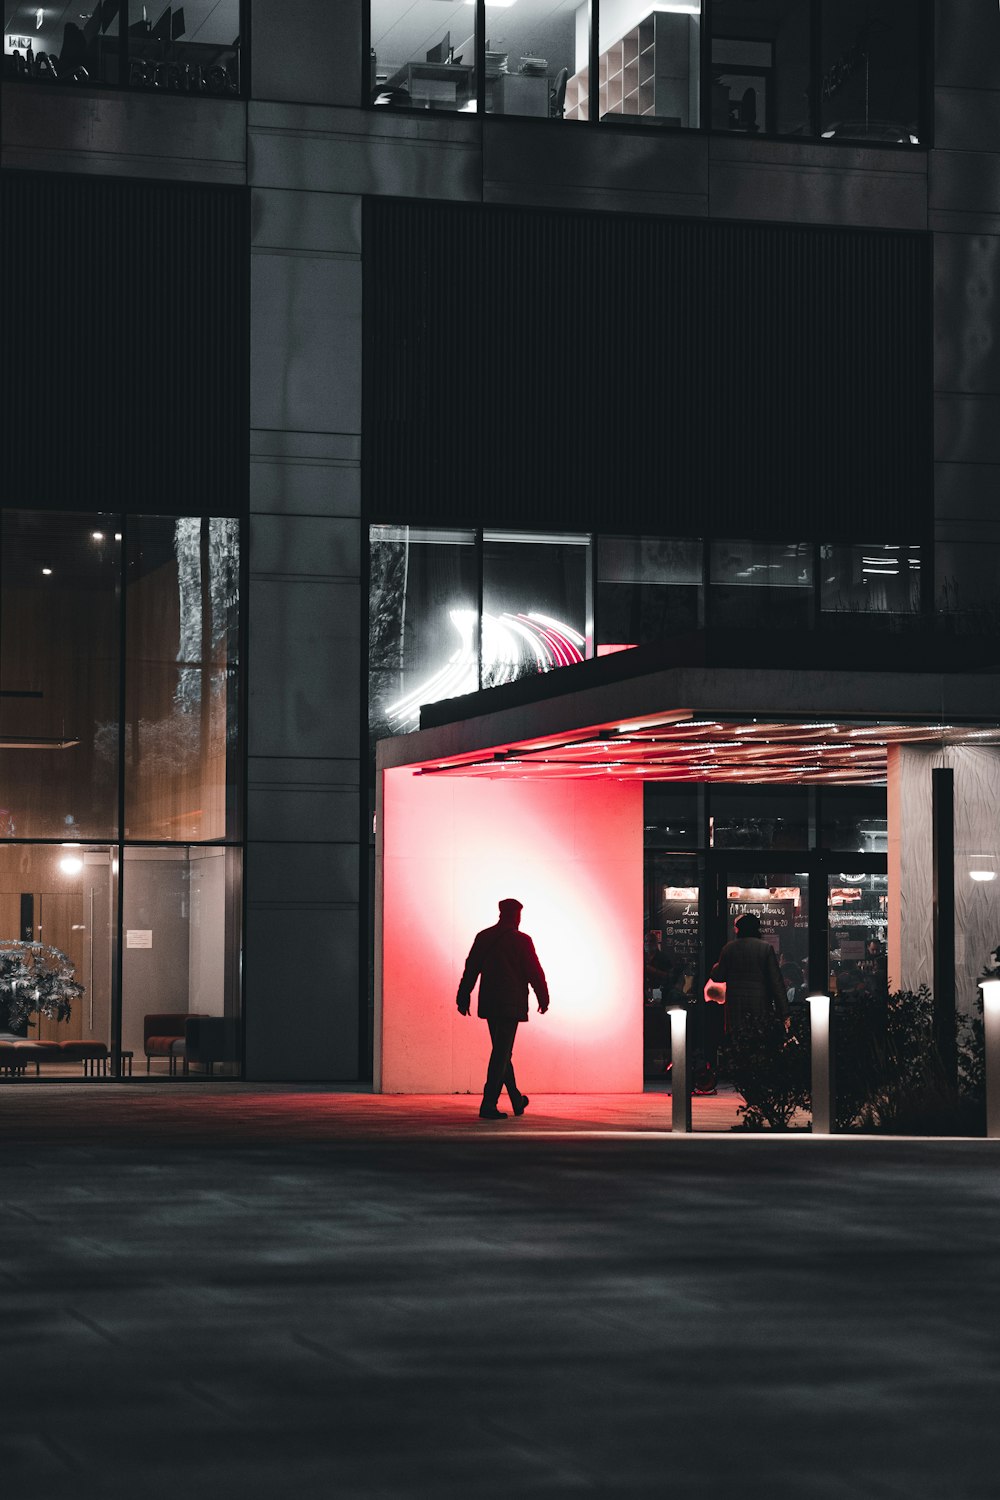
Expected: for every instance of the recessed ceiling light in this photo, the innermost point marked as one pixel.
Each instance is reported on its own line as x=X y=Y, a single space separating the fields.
x=47 y=572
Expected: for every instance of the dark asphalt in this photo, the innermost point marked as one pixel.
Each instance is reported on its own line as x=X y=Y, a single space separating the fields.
x=222 y=1291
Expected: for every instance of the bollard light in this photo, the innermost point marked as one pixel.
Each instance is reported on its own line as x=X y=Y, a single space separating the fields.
x=680 y=1111
x=991 y=1041
x=822 y=1079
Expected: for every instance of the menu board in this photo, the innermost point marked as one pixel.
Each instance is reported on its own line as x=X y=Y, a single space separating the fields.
x=777 y=919
x=678 y=918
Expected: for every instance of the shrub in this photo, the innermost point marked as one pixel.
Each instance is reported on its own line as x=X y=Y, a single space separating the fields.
x=771 y=1070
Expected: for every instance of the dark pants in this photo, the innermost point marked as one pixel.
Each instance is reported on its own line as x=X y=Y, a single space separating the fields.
x=500 y=1073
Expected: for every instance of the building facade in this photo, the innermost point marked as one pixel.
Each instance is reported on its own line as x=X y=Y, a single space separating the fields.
x=365 y=356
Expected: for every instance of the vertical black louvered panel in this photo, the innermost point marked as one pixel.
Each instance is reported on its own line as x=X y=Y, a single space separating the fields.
x=125 y=343
x=538 y=369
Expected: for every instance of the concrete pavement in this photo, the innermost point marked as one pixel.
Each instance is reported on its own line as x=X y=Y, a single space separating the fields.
x=226 y=1290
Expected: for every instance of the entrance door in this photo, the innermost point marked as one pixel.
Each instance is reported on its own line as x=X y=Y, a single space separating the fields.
x=780 y=900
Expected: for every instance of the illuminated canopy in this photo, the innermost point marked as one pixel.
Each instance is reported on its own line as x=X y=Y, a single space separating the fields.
x=722 y=736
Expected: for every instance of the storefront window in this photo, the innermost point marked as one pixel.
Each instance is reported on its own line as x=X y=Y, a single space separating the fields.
x=761 y=66
x=858 y=917
x=185 y=49
x=59 y=577
x=854 y=818
x=180 y=983
x=181 y=616
x=534 y=48
x=424 y=54
x=870 y=71
x=60 y=898
x=535 y=603
x=423 y=623
x=648 y=588
x=759 y=817
x=650 y=63
x=875 y=578
x=670 y=816
x=761 y=585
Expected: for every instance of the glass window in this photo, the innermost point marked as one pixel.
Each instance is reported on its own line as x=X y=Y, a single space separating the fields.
x=62 y=897
x=423 y=635
x=858 y=916
x=648 y=588
x=180 y=984
x=854 y=818
x=761 y=66
x=870 y=70
x=59 y=576
x=874 y=578
x=670 y=816
x=181 y=619
x=761 y=584
x=41 y=43
x=759 y=817
x=535 y=606
x=671 y=924
x=192 y=48
x=424 y=54
x=534 y=48
x=650 y=62
x=966 y=574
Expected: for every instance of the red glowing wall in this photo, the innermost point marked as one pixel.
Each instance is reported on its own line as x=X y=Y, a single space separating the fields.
x=572 y=853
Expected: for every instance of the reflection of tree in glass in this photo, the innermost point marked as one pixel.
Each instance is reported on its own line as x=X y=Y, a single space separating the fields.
x=204 y=546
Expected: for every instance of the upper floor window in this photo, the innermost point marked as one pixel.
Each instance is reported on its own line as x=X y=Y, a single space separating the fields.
x=178 y=49
x=831 y=69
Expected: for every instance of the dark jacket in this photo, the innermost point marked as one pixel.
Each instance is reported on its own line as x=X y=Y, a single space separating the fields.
x=504 y=961
x=754 y=986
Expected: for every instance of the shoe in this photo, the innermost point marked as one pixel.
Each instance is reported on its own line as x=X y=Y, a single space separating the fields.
x=522 y=1106
x=492 y=1114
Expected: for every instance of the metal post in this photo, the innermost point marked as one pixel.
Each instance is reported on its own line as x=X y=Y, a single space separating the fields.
x=822 y=1073
x=943 y=825
x=991 y=1038
x=680 y=1112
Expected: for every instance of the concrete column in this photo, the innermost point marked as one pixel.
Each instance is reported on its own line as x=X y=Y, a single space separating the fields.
x=304 y=667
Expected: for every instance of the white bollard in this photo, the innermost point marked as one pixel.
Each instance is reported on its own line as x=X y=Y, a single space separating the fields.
x=822 y=1076
x=991 y=1039
x=680 y=1111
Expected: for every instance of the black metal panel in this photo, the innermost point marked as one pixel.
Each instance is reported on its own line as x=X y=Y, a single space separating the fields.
x=124 y=356
x=542 y=369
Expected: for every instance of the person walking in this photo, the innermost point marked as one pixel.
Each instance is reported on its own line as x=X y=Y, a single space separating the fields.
x=504 y=961
x=748 y=966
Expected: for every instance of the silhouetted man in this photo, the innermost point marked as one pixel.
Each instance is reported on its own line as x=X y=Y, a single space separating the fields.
x=505 y=963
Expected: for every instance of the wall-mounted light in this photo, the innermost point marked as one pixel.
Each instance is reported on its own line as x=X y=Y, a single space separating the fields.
x=46 y=572
x=71 y=865
x=982 y=867
x=98 y=536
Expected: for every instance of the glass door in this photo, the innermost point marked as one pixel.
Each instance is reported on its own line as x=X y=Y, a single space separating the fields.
x=780 y=901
